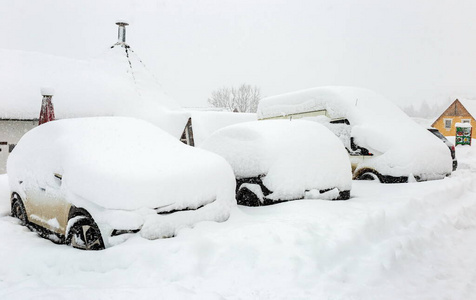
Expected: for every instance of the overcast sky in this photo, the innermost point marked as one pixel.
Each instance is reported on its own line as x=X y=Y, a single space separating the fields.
x=407 y=50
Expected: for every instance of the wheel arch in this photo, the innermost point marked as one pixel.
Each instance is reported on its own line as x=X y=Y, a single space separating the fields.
x=359 y=173
x=78 y=211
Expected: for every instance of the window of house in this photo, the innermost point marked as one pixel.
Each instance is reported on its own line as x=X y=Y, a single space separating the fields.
x=465 y=120
x=448 y=124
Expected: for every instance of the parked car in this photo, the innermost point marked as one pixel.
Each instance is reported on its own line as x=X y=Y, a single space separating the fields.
x=280 y=160
x=92 y=182
x=450 y=145
x=383 y=143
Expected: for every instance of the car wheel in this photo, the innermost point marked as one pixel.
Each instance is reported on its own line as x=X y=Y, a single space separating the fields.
x=246 y=197
x=370 y=176
x=18 y=211
x=84 y=234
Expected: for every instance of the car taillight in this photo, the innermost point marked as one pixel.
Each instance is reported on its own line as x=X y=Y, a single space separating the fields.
x=453 y=148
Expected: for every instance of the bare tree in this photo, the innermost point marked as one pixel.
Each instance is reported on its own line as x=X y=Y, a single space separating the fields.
x=245 y=98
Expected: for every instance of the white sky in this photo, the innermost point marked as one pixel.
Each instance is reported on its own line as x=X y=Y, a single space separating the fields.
x=407 y=50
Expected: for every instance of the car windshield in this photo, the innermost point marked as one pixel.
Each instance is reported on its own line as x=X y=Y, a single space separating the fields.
x=438 y=134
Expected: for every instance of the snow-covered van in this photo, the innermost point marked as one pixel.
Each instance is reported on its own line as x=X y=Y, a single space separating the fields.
x=382 y=141
x=92 y=182
x=282 y=160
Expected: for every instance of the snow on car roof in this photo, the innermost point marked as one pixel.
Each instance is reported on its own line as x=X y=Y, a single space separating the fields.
x=294 y=155
x=119 y=163
x=377 y=124
x=339 y=101
x=104 y=86
x=205 y=123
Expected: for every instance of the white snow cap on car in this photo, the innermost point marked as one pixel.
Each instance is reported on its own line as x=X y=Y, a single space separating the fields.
x=120 y=163
x=294 y=156
x=404 y=147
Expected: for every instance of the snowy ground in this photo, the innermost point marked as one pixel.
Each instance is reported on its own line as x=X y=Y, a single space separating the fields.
x=401 y=241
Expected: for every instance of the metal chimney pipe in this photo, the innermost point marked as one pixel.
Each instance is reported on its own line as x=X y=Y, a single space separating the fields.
x=121 y=32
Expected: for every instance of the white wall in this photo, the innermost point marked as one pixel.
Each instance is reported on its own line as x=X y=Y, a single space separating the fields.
x=10 y=132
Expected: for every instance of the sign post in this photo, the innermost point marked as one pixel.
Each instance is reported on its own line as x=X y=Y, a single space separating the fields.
x=463 y=134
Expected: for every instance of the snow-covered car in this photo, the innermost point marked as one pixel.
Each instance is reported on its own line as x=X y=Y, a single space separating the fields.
x=383 y=142
x=280 y=160
x=449 y=144
x=92 y=182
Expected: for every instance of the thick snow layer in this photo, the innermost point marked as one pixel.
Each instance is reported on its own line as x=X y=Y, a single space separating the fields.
x=105 y=86
x=403 y=241
x=204 y=123
x=294 y=156
x=401 y=146
x=123 y=164
x=463 y=125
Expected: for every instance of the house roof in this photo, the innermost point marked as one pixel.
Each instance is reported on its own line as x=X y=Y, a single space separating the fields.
x=470 y=106
x=111 y=85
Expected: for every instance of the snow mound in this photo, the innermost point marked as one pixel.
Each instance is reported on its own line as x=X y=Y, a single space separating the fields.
x=204 y=123
x=400 y=146
x=119 y=163
x=293 y=156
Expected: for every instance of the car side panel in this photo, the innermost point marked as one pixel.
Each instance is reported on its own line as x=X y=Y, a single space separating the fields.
x=47 y=209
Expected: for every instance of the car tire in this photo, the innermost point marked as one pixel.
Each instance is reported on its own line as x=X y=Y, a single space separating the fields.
x=370 y=176
x=18 y=210
x=84 y=234
x=246 y=197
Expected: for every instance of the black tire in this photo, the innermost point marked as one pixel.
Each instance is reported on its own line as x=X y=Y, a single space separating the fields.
x=370 y=176
x=344 y=195
x=84 y=234
x=18 y=210
x=246 y=197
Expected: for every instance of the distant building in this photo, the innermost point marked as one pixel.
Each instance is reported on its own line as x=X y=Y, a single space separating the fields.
x=11 y=132
x=460 y=111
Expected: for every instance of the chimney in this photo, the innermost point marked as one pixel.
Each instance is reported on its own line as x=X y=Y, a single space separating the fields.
x=47 y=112
x=121 y=33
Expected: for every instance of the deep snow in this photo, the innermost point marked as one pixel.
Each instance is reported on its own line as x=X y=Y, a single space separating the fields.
x=390 y=241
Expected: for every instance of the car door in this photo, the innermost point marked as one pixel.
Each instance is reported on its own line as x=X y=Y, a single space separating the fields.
x=45 y=204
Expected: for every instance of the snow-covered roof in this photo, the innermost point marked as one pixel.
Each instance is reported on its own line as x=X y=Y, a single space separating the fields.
x=470 y=106
x=463 y=125
x=205 y=123
x=104 y=86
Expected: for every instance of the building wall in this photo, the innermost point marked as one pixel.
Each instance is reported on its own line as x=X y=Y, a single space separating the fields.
x=10 y=133
x=456 y=113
